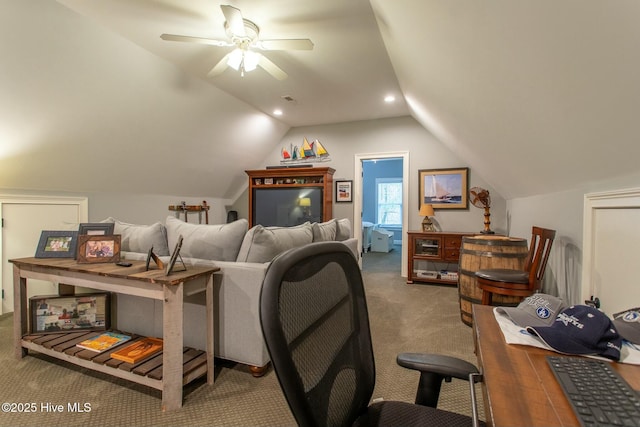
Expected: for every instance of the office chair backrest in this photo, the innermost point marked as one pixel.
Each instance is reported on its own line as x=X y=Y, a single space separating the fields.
x=315 y=324
x=536 y=261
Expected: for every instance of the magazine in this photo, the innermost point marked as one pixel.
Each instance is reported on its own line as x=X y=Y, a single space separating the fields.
x=103 y=342
x=138 y=350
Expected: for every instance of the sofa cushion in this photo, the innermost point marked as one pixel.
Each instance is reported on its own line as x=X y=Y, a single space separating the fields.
x=343 y=231
x=324 y=231
x=262 y=244
x=219 y=242
x=140 y=238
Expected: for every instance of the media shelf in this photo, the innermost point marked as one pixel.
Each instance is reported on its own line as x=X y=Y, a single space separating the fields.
x=274 y=195
x=429 y=251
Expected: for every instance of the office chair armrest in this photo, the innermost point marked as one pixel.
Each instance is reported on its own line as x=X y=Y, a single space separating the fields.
x=434 y=368
x=445 y=366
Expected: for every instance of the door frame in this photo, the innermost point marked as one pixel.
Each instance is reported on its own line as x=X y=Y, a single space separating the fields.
x=357 y=200
x=81 y=202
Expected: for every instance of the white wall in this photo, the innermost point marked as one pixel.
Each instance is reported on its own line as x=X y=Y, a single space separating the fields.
x=562 y=212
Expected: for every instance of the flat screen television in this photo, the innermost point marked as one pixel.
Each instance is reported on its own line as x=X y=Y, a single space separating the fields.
x=281 y=206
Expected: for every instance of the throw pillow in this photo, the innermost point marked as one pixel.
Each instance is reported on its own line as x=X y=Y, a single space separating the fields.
x=262 y=244
x=344 y=229
x=140 y=238
x=220 y=242
x=324 y=231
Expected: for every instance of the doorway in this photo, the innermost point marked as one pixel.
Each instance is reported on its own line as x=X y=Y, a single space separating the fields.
x=361 y=161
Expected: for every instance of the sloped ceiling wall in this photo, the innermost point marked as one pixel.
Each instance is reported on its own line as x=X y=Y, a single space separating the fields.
x=538 y=96
x=85 y=110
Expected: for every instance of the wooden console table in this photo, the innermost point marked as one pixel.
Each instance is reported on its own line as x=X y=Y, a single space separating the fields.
x=518 y=386
x=132 y=280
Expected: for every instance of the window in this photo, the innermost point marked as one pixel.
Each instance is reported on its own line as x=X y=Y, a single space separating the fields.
x=389 y=201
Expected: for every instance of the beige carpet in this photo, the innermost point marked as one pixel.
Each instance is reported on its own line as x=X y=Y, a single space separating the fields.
x=404 y=318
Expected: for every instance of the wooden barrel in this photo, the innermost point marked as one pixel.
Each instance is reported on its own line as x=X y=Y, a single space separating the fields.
x=480 y=253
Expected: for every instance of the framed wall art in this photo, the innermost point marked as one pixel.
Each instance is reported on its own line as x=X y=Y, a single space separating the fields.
x=444 y=188
x=96 y=228
x=57 y=244
x=97 y=249
x=344 y=191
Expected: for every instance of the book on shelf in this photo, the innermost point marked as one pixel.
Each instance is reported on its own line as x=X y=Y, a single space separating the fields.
x=138 y=350
x=104 y=341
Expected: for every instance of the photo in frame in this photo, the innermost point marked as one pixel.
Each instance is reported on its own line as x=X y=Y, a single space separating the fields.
x=71 y=313
x=98 y=249
x=444 y=188
x=344 y=191
x=96 y=228
x=174 y=257
x=57 y=244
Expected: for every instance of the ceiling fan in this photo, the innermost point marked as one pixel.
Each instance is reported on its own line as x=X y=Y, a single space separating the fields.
x=244 y=35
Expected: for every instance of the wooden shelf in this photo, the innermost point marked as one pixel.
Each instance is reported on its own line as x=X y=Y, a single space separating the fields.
x=147 y=372
x=434 y=247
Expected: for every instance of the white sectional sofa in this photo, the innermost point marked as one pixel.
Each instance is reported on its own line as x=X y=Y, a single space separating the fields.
x=242 y=255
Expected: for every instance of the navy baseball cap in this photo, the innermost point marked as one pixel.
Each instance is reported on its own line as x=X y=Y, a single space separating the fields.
x=535 y=310
x=581 y=329
x=628 y=324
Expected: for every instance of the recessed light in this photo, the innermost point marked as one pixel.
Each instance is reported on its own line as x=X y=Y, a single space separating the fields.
x=277 y=112
x=389 y=98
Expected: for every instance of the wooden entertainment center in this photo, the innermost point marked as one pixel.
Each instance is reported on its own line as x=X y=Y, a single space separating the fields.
x=288 y=178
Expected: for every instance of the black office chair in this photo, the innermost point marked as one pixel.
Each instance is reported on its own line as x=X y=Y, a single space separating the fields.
x=315 y=323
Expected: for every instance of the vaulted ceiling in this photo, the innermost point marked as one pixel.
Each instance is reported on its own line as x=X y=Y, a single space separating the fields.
x=536 y=96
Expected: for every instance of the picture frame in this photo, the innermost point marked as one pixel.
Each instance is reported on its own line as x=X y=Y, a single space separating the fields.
x=174 y=257
x=57 y=244
x=444 y=188
x=70 y=313
x=94 y=249
x=96 y=228
x=344 y=191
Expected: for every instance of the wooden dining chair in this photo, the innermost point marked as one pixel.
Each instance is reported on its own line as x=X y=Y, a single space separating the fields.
x=520 y=283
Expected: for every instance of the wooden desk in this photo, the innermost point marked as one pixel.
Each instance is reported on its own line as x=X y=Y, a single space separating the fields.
x=132 y=280
x=519 y=388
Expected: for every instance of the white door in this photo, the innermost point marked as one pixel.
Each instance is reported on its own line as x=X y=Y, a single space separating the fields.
x=23 y=222
x=610 y=249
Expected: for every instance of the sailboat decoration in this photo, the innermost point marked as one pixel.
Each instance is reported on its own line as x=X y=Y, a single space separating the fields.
x=308 y=152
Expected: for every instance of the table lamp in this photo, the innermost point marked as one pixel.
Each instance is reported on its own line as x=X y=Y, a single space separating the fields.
x=427 y=211
x=305 y=204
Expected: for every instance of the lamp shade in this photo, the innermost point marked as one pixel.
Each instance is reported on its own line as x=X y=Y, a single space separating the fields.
x=305 y=202
x=426 y=210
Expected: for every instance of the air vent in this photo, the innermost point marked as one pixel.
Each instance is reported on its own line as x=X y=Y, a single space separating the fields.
x=288 y=98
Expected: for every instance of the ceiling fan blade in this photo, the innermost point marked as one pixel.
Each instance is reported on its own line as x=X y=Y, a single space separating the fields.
x=178 y=38
x=272 y=68
x=234 y=19
x=219 y=67
x=286 y=44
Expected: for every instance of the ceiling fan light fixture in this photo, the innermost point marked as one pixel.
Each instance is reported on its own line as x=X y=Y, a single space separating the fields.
x=235 y=59
x=243 y=60
x=251 y=60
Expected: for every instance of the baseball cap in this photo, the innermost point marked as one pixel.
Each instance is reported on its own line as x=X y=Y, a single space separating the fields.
x=535 y=310
x=627 y=324
x=581 y=329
